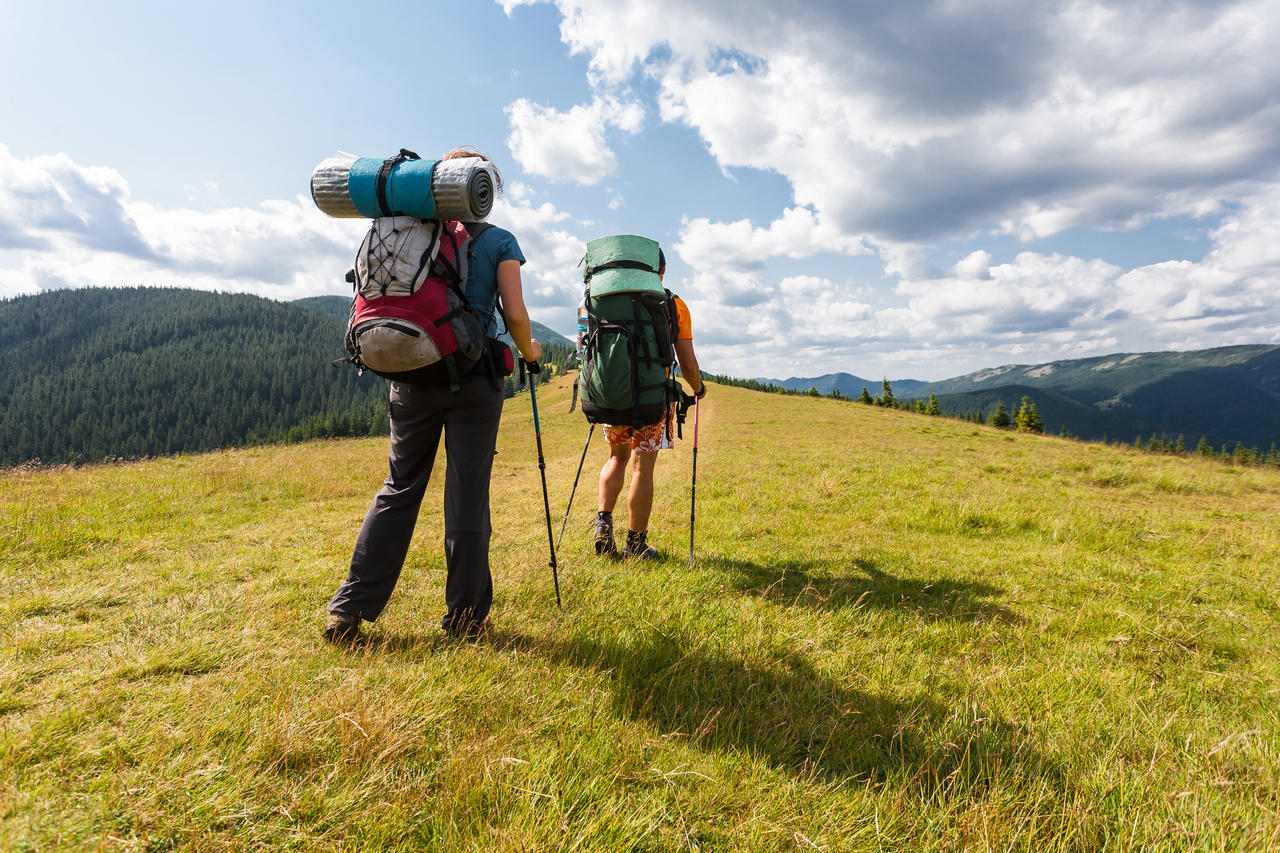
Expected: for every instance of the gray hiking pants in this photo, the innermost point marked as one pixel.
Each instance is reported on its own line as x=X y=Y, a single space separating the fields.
x=469 y=419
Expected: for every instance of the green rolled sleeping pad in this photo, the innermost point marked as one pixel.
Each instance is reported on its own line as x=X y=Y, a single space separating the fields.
x=623 y=263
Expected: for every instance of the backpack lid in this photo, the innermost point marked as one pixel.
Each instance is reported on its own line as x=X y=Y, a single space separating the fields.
x=623 y=263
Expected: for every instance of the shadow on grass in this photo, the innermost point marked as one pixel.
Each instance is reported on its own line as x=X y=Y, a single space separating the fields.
x=424 y=642
x=400 y=642
x=836 y=584
x=795 y=717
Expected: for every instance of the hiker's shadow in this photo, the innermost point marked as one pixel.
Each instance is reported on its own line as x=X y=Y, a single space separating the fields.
x=791 y=715
x=407 y=642
x=837 y=584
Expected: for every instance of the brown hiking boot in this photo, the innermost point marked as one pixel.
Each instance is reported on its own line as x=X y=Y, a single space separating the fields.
x=342 y=628
x=605 y=546
x=472 y=631
x=638 y=548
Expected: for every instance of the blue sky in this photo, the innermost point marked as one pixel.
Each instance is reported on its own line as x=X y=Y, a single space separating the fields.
x=915 y=189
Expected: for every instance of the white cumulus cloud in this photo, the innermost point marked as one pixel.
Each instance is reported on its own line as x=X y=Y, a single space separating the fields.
x=1035 y=307
x=67 y=225
x=570 y=145
x=909 y=121
x=900 y=125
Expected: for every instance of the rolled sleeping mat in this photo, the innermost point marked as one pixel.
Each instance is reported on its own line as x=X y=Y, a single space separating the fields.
x=460 y=189
x=463 y=188
x=623 y=263
x=329 y=188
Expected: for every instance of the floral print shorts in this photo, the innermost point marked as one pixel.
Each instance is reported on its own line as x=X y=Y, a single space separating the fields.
x=649 y=439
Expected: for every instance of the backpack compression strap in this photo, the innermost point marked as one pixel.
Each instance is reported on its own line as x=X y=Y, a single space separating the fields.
x=433 y=250
x=384 y=174
x=450 y=272
x=617 y=265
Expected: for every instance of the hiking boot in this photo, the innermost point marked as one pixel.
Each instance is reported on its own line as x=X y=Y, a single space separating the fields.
x=638 y=548
x=342 y=628
x=603 y=525
x=471 y=631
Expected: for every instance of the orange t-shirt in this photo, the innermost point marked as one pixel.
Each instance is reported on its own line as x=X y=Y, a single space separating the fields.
x=684 y=326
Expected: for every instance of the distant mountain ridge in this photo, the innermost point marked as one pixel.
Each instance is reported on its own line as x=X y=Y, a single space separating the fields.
x=848 y=384
x=1100 y=378
x=1225 y=395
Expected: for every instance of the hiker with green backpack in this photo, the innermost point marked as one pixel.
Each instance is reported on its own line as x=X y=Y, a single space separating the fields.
x=636 y=331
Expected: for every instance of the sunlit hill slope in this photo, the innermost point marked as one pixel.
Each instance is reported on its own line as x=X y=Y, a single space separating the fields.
x=899 y=632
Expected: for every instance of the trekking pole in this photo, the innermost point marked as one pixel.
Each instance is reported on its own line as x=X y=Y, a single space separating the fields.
x=693 y=495
x=533 y=369
x=574 y=490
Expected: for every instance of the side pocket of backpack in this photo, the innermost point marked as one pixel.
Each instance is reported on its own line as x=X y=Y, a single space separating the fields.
x=501 y=357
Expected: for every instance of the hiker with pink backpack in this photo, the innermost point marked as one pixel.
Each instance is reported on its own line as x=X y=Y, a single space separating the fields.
x=429 y=280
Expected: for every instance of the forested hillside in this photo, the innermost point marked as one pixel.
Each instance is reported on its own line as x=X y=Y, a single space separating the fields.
x=128 y=372
x=105 y=372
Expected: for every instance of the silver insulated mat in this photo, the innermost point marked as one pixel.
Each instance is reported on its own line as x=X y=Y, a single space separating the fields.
x=462 y=189
x=329 y=188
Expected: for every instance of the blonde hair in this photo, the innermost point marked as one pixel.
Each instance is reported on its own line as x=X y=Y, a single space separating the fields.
x=469 y=151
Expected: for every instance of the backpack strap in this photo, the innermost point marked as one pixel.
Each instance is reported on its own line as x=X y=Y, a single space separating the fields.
x=617 y=265
x=683 y=405
x=384 y=174
x=674 y=393
x=433 y=250
x=455 y=379
x=451 y=273
x=452 y=277
x=673 y=319
x=635 y=356
x=475 y=229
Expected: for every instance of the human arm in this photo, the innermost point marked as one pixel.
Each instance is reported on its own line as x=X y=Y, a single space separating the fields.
x=514 y=311
x=689 y=365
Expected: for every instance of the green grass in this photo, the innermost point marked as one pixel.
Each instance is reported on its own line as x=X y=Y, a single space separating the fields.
x=900 y=633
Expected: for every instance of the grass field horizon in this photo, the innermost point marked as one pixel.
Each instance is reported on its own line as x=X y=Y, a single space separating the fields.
x=900 y=632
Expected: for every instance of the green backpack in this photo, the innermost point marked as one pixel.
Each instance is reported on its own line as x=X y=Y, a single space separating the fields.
x=629 y=344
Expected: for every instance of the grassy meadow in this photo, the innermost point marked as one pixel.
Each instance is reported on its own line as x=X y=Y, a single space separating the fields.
x=900 y=633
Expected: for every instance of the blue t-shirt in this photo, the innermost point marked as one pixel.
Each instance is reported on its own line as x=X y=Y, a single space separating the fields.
x=491 y=248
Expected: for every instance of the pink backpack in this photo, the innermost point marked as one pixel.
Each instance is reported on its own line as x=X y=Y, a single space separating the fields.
x=410 y=319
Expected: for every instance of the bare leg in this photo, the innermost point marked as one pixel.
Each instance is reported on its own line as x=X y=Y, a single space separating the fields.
x=640 y=496
x=611 y=476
